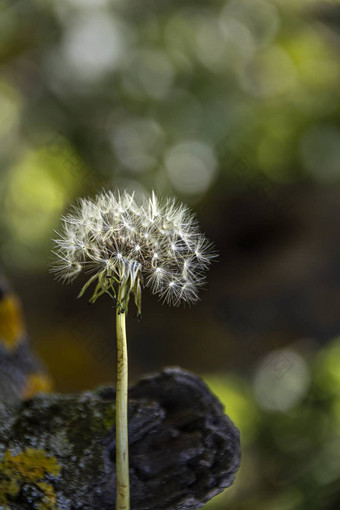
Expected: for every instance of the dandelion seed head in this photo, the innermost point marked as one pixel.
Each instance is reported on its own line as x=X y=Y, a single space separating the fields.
x=157 y=242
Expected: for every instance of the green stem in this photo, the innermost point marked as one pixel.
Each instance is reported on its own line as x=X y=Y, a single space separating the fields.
x=122 y=451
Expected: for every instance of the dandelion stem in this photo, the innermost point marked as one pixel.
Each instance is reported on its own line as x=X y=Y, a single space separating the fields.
x=122 y=451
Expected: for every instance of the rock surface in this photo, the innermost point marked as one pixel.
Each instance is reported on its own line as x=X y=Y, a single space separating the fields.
x=58 y=451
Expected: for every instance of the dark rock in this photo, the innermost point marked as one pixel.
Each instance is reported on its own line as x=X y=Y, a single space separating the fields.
x=183 y=449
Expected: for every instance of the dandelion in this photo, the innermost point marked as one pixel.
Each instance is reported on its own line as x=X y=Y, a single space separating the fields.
x=125 y=247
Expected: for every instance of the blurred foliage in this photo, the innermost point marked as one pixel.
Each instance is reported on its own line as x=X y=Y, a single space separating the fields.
x=291 y=457
x=177 y=96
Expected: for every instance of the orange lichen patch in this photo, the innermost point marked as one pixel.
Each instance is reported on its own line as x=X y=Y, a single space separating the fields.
x=30 y=467
x=36 y=383
x=12 y=329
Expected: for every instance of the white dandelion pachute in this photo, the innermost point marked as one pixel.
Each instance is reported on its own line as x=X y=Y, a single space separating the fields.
x=157 y=244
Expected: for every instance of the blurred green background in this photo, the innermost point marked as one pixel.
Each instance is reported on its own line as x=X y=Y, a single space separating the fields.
x=234 y=107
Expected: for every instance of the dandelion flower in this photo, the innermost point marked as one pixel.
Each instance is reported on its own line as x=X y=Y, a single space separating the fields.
x=157 y=245
x=124 y=246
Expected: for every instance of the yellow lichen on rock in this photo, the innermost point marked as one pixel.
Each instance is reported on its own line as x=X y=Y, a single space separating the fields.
x=12 y=329
x=36 y=383
x=31 y=467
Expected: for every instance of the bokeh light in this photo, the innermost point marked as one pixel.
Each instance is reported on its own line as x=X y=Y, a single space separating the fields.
x=320 y=151
x=191 y=167
x=10 y=107
x=92 y=45
x=38 y=188
x=281 y=381
x=137 y=143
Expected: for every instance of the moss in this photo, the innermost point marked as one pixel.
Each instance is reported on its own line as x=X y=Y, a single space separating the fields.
x=30 y=467
x=109 y=419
